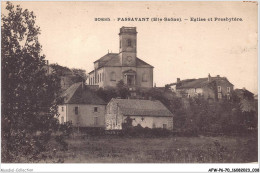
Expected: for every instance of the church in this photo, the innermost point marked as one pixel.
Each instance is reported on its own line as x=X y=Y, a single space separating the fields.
x=125 y=65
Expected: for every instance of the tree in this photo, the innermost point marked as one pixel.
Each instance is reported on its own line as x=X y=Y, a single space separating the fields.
x=28 y=93
x=80 y=72
x=122 y=90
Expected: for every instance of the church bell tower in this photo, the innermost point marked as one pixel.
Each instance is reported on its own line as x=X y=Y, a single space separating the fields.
x=127 y=46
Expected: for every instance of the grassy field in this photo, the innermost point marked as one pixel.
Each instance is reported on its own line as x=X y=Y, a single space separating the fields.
x=114 y=149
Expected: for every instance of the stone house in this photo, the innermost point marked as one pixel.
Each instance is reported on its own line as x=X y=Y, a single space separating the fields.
x=147 y=113
x=82 y=107
x=125 y=65
x=212 y=88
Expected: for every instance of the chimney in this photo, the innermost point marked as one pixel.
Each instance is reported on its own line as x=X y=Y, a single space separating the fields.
x=218 y=76
x=178 y=80
x=209 y=78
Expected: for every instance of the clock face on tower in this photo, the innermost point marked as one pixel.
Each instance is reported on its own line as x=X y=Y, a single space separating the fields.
x=129 y=60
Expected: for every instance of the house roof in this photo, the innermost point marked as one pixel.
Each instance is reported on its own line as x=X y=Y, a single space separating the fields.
x=244 y=93
x=113 y=59
x=201 y=82
x=142 y=107
x=78 y=93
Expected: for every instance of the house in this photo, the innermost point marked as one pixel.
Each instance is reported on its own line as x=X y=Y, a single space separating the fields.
x=243 y=94
x=82 y=107
x=125 y=65
x=246 y=100
x=147 y=113
x=213 y=88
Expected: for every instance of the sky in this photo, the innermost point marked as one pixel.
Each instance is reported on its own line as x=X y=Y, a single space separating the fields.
x=71 y=37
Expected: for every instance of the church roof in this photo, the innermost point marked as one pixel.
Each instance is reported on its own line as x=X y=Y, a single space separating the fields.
x=136 y=107
x=78 y=93
x=113 y=60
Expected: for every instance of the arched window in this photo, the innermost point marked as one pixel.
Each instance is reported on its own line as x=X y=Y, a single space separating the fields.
x=97 y=78
x=113 y=76
x=100 y=77
x=129 y=42
x=144 y=77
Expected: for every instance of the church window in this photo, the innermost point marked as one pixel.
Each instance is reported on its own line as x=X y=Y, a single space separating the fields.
x=129 y=42
x=76 y=110
x=219 y=88
x=144 y=78
x=113 y=76
x=100 y=77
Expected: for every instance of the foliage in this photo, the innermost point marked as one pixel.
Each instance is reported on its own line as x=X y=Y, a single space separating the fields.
x=120 y=149
x=60 y=70
x=107 y=94
x=139 y=131
x=28 y=94
x=196 y=116
x=128 y=123
x=214 y=118
x=66 y=128
x=121 y=91
x=80 y=72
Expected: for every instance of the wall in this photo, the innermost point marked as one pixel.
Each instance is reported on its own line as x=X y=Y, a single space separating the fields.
x=149 y=82
x=224 y=84
x=114 y=119
x=94 y=78
x=86 y=115
x=153 y=122
x=119 y=76
x=107 y=76
x=62 y=113
x=195 y=92
x=209 y=93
